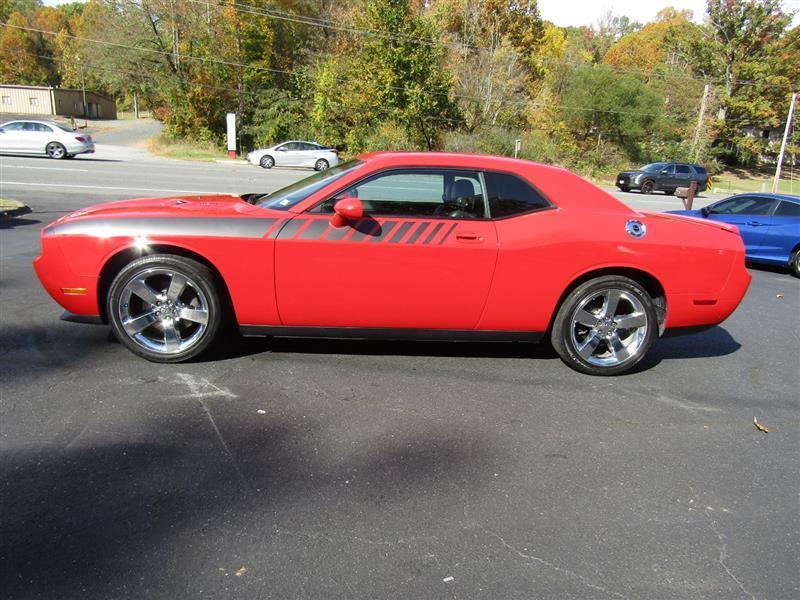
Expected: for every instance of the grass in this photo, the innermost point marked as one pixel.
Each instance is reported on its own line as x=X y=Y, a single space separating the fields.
x=12 y=208
x=161 y=145
x=756 y=181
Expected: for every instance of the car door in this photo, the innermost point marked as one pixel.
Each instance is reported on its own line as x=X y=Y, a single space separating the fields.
x=752 y=216
x=12 y=139
x=282 y=155
x=422 y=256
x=783 y=234
x=35 y=137
x=306 y=154
x=292 y=156
x=666 y=178
x=683 y=176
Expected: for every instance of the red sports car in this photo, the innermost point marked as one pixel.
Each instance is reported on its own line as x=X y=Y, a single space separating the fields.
x=398 y=245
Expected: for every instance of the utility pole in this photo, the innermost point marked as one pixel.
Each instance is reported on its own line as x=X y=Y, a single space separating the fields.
x=703 y=102
x=135 y=106
x=83 y=88
x=788 y=127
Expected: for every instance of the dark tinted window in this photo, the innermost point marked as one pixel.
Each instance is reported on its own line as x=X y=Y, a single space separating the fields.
x=668 y=169
x=18 y=126
x=653 y=167
x=788 y=209
x=744 y=205
x=509 y=195
x=307 y=146
x=683 y=170
x=700 y=170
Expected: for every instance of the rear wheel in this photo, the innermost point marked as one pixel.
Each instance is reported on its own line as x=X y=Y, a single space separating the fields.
x=56 y=150
x=267 y=162
x=605 y=326
x=648 y=186
x=321 y=165
x=165 y=308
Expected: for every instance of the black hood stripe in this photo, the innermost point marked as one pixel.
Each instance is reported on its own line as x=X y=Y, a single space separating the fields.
x=172 y=226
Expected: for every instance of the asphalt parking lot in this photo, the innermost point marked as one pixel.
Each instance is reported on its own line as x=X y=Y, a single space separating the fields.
x=349 y=469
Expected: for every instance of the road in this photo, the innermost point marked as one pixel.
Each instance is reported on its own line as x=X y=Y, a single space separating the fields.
x=348 y=469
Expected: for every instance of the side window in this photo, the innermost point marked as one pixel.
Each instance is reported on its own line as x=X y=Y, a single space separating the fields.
x=43 y=128
x=282 y=148
x=30 y=126
x=292 y=146
x=745 y=205
x=668 y=170
x=682 y=170
x=788 y=209
x=18 y=126
x=441 y=193
x=509 y=195
x=306 y=146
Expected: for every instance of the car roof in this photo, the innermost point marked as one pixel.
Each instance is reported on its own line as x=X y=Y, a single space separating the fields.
x=454 y=160
x=787 y=197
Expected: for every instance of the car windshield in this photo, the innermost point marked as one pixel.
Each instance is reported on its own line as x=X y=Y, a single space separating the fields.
x=64 y=128
x=287 y=197
x=654 y=167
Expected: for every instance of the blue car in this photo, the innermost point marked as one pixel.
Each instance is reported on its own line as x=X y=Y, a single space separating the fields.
x=769 y=225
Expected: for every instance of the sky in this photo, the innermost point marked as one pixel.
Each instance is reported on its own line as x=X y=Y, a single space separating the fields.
x=589 y=12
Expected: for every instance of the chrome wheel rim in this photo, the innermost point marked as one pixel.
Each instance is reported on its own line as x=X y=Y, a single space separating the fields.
x=267 y=162
x=55 y=150
x=163 y=311
x=322 y=165
x=609 y=327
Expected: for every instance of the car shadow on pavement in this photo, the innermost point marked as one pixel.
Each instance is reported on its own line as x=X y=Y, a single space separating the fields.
x=17 y=222
x=161 y=512
x=235 y=346
x=712 y=343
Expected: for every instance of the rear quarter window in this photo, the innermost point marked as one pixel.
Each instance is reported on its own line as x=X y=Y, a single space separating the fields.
x=509 y=195
x=788 y=209
x=700 y=170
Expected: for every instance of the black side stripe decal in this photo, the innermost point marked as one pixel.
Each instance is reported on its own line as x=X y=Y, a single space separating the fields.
x=446 y=235
x=291 y=228
x=314 y=230
x=384 y=231
x=415 y=236
x=432 y=234
x=363 y=228
x=401 y=231
x=337 y=233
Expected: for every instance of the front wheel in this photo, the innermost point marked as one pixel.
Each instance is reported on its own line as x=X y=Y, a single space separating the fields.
x=605 y=326
x=165 y=308
x=648 y=186
x=56 y=150
x=794 y=265
x=321 y=165
x=267 y=162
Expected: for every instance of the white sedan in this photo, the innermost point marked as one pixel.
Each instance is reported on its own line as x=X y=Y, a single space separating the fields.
x=43 y=137
x=295 y=154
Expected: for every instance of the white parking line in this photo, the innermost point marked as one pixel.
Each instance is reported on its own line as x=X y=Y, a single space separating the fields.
x=101 y=187
x=2 y=166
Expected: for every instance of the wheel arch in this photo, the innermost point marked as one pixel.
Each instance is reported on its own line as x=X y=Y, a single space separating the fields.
x=649 y=282
x=125 y=256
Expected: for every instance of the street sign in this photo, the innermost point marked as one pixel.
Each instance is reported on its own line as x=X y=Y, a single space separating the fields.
x=231 y=121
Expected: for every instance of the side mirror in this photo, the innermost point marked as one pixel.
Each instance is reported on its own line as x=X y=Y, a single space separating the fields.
x=664 y=171
x=347 y=210
x=705 y=211
x=282 y=149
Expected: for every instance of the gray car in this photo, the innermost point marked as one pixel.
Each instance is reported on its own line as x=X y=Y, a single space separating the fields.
x=45 y=138
x=663 y=176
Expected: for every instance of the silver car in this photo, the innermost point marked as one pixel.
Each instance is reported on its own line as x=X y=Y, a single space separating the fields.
x=43 y=138
x=295 y=154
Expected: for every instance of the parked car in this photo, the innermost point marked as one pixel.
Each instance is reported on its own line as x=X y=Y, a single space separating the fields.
x=295 y=154
x=43 y=138
x=398 y=245
x=768 y=223
x=663 y=176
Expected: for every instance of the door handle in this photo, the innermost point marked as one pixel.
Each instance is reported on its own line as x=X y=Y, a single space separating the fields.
x=469 y=237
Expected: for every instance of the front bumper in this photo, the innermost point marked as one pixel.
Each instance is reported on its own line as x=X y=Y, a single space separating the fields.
x=75 y=293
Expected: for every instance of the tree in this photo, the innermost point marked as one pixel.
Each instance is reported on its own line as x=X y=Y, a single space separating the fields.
x=20 y=53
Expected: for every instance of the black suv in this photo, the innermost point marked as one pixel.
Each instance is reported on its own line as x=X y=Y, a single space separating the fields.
x=663 y=176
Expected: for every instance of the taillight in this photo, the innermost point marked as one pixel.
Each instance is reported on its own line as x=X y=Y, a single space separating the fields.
x=80 y=139
x=334 y=150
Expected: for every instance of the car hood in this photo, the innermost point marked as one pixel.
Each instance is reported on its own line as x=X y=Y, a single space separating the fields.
x=176 y=206
x=637 y=172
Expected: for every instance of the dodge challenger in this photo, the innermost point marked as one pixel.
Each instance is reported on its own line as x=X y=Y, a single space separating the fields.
x=398 y=245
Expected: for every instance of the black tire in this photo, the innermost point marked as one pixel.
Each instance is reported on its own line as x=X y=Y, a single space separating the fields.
x=56 y=150
x=625 y=189
x=586 y=303
x=195 y=313
x=321 y=165
x=669 y=192
x=794 y=264
x=267 y=162
x=648 y=186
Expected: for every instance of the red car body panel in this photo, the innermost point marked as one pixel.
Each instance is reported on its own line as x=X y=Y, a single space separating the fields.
x=294 y=268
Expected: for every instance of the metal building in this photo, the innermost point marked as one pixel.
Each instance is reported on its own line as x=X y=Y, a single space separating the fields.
x=65 y=102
